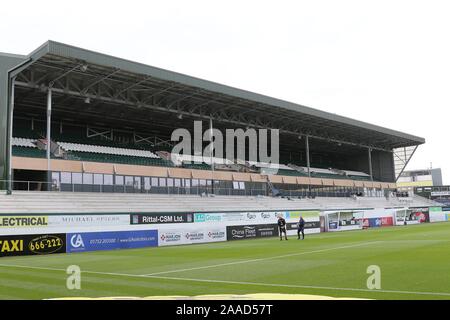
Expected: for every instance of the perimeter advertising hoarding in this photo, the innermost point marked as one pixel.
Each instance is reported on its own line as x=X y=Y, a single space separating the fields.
x=307 y=215
x=96 y=241
x=252 y=231
x=63 y=221
x=437 y=215
x=23 y=221
x=446 y=211
x=88 y=220
x=421 y=214
x=161 y=218
x=255 y=217
x=238 y=217
x=172 y=237
x=35 y=244
x=378 y=222
x=308 y=225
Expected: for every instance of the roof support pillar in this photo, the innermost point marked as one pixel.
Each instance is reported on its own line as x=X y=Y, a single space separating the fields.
x=308 y=164
x=10 y=135
x=49 y=138
x=211 y=128
x=369 y=153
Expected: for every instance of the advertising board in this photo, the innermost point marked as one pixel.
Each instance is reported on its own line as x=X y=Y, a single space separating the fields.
x=387 y=221
x=23 y=221
x=95 y=241
x=88 y=220
x=237 y=217
x=308 y=225
x=160 y=218
x=378 y=222
x=307 y=215
x=254 y=217
x=436 y=214
x=252 y=231
x=36 y=244
x=422 y=215
x=63 y=221
x=171 y=237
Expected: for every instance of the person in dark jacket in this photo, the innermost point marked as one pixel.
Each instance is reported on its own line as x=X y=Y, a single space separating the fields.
x=301 y=228
x=282 y=227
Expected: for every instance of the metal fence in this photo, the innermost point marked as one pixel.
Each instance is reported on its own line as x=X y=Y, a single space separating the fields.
x=23 y=185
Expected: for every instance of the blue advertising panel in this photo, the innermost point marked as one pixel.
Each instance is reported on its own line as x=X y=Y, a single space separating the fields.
x=94 y=241
x=374 y=222
x=333 y=225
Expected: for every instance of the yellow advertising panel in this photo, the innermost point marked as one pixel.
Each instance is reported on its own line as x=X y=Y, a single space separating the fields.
x=415 y=184
x=20 y=221
x=304 y=214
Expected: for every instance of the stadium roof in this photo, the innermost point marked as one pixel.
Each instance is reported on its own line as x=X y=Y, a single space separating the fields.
x=77 y=74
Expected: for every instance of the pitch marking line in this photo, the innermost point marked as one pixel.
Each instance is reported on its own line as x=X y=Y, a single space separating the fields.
x=445 y=294
x=262 y=259
x=302 y=286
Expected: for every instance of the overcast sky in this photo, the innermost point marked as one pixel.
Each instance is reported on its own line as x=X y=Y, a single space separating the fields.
x=384 y=62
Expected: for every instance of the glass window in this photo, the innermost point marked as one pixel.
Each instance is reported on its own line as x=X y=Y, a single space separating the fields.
x=129 y=181
x=235 y=184
x=119 y=180
x=162 y=182
x=55 y=179
x=147 y=185
x=77 y=178
x=154 y=182
x=87 y=178
x=177 y=182
x=169 y=182
x=137 y=182
x=203 y=182
x=66 y=177
x=194 y=182
x=187 y=183
x=55 y=176
x=98 y=179
x=242 y=185
x=108 y=179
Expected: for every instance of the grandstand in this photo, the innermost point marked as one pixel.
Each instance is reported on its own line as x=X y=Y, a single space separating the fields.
x=82 y=122
x=109 y=123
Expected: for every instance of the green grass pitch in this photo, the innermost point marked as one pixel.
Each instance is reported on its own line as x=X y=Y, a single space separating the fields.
x=414 y=262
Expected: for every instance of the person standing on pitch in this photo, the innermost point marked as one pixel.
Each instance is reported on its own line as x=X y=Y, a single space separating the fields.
x=301 y=228
x=282 y=227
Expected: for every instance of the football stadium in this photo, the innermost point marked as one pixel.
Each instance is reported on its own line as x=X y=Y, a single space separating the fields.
x=95 y=202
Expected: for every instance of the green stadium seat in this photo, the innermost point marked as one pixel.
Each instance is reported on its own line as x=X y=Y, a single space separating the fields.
x=359 y=178
x=294 y=173
x=197 y=166
x=28 y=152
x=111 y=158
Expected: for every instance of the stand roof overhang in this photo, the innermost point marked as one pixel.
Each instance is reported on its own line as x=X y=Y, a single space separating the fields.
x=84 y=74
